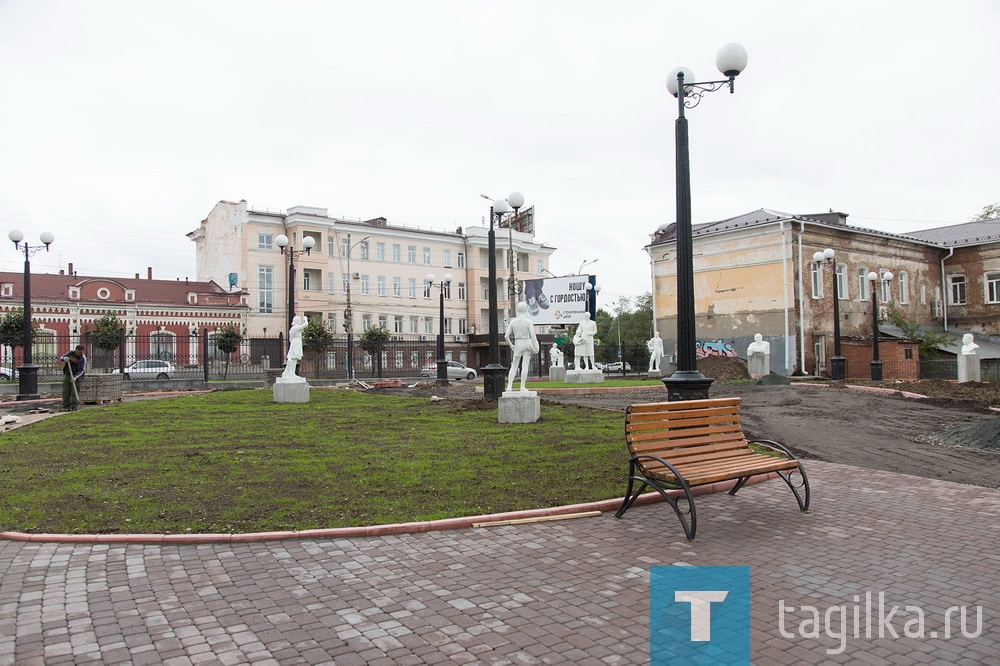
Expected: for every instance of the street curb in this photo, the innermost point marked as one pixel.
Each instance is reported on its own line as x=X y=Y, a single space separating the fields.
x=369 y=531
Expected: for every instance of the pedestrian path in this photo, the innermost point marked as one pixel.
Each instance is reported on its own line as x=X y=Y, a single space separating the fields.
x=567 y=592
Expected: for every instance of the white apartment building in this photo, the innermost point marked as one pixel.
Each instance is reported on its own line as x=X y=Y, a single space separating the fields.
x=381 y=266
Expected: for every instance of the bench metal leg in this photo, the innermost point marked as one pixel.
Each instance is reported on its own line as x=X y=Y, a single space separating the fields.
x=789 y=478
x=739 y=484
x=689 y=519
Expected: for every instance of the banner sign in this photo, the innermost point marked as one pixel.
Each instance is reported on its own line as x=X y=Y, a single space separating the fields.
x=562 y=300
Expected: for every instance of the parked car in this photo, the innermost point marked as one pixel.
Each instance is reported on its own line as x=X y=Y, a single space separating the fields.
x=455 y=371
x=7 y=374
x=617 y=367
x=151 y=369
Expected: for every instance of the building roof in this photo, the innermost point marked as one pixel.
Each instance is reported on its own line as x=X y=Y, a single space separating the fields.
x=46 y=287
x=959 y=235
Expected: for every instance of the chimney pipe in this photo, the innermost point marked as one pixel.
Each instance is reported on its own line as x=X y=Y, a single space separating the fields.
x=136 y=276
x=70 y=271
x=149 y=272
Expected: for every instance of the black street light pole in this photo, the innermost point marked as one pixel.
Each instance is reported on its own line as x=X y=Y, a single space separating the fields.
x=838 y=364
x=687 y=383
x=27 y=372
x=307 y=245
x=442 y=363
x=494 y=374
x=876 y=283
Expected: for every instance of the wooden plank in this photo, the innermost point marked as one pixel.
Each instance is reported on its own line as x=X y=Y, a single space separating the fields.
x=538 y=519
x=682 y=405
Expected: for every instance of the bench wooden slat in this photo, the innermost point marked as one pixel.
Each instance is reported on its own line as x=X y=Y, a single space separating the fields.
x=704 y=444
x=674 y=424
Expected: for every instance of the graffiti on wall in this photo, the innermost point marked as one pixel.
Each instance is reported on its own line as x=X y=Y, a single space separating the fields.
x=711 y=348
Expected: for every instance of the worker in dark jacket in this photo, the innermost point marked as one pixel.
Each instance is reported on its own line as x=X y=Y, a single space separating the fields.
x=74 y=365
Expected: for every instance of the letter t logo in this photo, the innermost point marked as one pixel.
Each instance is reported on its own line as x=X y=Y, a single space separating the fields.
x=701 y=610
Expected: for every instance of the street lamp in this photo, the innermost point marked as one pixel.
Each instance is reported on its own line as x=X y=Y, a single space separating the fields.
x=838 y=364
x=27 y=386
x=442 y=364
x=494 y=374
x=307 y=245
x=873 y=277
x=585 y=262
x=349 y=313
x=687 y=383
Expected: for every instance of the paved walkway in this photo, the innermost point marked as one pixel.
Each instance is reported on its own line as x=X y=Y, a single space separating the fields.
x=567 y=592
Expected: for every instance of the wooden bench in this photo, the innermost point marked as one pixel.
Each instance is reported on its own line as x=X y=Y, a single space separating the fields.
x=689 y=443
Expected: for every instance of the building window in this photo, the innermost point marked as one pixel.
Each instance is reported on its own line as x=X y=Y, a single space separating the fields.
x=344 y=284
x=265 y=242
x=427 y=289
x=397 y=286
x=886 y=286
x=379 y=251
x=923 y=294
x=447 y=326
x=484 y=288
x=993 y=287
x=427 y=256
x=446 y=288
x=461 y=291
x=956 y=289
x=265 y=289
x=908 y=353
x=862 y=283
x=331 y=320
x=306 y=280
x=383 y=322
x=411 y=254
x=539 y=267
x=365 y=285
x=412 y=285
x=363 y=247
x=463 y=327
x=461 y=260
x=397 y=253
x=380 y=285
x=816 y=272
x=841 y=278
x=331 y=283
x=414 y=323
x=331 y=246
x=429 y=325
x=366 y=322
x=397 y=324
x=446 y=258
x=345 y=246
x=904 y=287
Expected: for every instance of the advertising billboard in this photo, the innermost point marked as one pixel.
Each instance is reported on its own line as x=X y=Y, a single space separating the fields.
x=561 y=300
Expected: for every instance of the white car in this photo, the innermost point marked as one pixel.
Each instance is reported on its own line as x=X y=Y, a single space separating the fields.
x=7 y=374
x=151 y=369
x=455 y=371
x=617 y=367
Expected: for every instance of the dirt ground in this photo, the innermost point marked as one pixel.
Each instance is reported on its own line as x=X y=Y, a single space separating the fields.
x=841 y=425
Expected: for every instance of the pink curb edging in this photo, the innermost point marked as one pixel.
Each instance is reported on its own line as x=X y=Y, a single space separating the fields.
x=369 y=531
x=886 y=391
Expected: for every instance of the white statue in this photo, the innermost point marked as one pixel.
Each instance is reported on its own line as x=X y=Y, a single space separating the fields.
x=521 y=338
x=969 y=345
x=759 y=345
x=584 y=342
x=294 y=347
x=655 y=346
x=556 y=355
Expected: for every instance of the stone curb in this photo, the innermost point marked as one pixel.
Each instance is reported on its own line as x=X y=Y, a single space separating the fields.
x=369 y=531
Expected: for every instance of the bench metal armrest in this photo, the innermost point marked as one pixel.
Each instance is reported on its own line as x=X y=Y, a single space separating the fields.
x=775 y=445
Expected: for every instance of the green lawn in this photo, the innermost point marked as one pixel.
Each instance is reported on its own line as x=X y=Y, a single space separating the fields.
x=235 y=461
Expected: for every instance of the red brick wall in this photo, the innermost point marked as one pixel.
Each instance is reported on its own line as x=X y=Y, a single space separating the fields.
x=893 y=353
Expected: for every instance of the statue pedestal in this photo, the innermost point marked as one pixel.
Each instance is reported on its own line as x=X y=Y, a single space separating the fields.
x=758 y=365
x=557 y=374
x=519 y=407
x=655 y=374
x=968 y=368
x=584 y=376
x=291 y=390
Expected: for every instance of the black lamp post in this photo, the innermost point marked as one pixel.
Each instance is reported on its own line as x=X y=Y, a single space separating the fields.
x=307 y=245
x=442 y=364
x=686 y=383
x=838 y=364
x=873 y=278
x=27 y=372
x=494 y=374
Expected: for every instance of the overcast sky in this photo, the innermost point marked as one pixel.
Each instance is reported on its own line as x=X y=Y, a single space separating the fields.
x=123 y=123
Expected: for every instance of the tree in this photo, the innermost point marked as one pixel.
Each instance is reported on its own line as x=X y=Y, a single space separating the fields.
x=106 y=332
x=632 y=318
x=989 y=212
x=373 y=339
x=227 y=340
x=317 y=336
x=12 y=328
x=929 y=340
